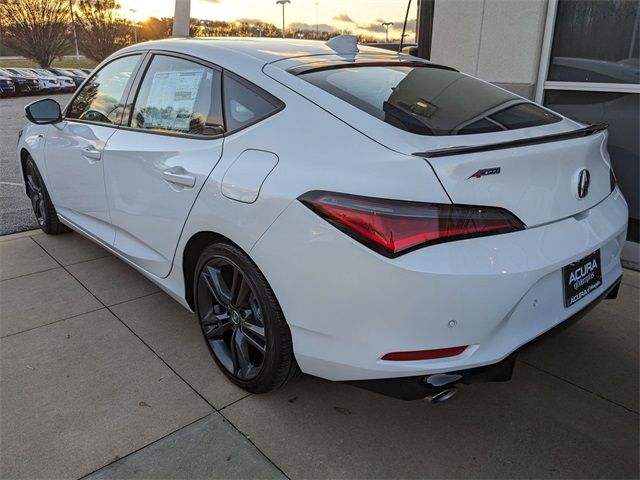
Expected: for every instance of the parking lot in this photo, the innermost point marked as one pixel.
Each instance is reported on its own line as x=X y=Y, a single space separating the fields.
x=15 y=209
x=102 y=375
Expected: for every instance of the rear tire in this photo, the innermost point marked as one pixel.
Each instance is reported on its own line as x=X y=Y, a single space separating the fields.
x=41 y=203
x=241 y=320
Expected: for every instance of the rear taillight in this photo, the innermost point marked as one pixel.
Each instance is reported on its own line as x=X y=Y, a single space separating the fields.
x=395 y=227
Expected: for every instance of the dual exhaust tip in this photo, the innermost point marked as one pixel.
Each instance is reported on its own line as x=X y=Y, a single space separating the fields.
x=442 y=395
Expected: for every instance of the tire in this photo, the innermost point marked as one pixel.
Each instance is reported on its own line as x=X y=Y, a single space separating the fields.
x=41 y=203
x=241 y=321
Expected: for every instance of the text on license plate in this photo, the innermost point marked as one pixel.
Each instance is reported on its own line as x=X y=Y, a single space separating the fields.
x=581 y=278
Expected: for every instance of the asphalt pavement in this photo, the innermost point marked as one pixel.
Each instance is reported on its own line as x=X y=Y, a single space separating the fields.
x=15 y=209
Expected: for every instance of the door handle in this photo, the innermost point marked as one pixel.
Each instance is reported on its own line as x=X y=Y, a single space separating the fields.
x=179 y=176
x=92 y=153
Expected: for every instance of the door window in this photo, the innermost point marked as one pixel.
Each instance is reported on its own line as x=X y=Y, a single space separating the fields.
x=101 y=98
x=178 y=96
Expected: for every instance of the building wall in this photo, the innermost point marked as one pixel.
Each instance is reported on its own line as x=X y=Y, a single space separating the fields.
x=496 y=40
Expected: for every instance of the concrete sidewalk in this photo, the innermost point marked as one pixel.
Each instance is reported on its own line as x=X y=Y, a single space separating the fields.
x=102 y=375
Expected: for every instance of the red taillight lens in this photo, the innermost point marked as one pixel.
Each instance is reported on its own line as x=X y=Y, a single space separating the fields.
x=425 y=354
x=394 y=227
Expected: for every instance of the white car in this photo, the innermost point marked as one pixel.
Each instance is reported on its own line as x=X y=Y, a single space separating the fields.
x=46 y=81
x=362 y=215
x=64 y=83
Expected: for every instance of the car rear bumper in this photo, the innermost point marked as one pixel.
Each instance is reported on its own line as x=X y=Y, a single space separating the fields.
x=347 y=306
x=424 y=386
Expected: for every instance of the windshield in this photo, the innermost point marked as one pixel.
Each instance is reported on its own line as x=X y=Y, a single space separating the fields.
x=429 y=100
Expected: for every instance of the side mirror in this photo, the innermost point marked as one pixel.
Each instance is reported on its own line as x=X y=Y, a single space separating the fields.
x=43 y=112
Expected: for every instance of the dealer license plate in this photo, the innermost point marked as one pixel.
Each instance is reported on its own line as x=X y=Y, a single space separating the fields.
x=581 y=278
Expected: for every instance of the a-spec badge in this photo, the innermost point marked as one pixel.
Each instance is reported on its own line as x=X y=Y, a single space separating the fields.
x=483 y=172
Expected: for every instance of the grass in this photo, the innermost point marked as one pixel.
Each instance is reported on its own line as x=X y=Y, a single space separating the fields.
x=65 y=62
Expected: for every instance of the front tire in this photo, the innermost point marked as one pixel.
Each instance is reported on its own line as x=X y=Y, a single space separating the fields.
x=41 y=203
x=241 y=320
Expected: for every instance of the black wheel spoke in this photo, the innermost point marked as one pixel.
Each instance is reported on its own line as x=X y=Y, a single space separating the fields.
x=213 y=318
x=260 y=345
x=242 y=362
x=41 y=209
x=32 y=184
x=218 y=330
x=240 y=289
x=217 y=285
x=37 y=197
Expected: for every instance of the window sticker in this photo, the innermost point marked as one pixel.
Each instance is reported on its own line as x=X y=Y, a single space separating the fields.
x=174 y=95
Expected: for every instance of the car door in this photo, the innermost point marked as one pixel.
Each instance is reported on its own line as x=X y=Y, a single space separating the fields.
x=74 y=148
x=156 y=165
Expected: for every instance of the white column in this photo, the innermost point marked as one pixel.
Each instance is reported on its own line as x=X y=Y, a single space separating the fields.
x=181 y=18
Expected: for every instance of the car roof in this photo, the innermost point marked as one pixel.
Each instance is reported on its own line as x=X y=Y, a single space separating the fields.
x=255 y=50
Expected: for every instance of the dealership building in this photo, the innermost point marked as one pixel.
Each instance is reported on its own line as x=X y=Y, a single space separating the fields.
x=578 y=57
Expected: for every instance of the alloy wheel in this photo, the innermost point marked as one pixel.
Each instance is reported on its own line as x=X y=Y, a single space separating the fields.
x=231 y=318
x=36 y=194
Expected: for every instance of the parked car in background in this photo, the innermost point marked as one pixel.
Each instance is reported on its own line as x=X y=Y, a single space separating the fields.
x=77 y=79
x=359 y=215
x=75 y=71
x=25 y=85
x=86 y=70
x=47 y=81
x=66 y=83
x=7 y=86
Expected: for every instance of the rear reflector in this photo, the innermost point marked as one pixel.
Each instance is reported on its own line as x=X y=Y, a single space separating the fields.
x=394 y=227
x=425 y=354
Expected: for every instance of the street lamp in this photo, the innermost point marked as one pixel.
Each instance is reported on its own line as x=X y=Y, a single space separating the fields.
x=386 y=25
x=135 y=25
x=283 y=3
x=181 y=18
x=73 y=27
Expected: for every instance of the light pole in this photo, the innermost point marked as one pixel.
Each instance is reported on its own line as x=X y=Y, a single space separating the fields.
x=73 y=27
x=317 y=32
x=135 y=25
x=181 y=18
x=283 y=3
x=386 y=25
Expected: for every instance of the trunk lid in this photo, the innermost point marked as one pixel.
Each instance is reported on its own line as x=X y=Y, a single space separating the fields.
x=537 y=182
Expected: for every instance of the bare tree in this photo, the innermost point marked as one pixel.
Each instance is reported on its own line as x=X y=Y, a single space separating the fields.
x=101 y=30
x=36 y=29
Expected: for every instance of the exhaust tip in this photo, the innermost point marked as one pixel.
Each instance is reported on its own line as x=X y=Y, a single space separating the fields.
x=442 y=396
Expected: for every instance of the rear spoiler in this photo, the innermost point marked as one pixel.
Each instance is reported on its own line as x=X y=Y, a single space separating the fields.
x=555 y=137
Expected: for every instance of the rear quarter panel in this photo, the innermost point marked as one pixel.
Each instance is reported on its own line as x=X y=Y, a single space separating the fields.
x=315 y=151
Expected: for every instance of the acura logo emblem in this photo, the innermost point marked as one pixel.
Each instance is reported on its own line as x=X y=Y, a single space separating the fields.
x=584 y=179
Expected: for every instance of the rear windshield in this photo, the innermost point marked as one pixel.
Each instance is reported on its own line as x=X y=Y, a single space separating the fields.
x=429 y=100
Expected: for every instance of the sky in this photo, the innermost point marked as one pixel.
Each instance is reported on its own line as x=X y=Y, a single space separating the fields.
x=358 y=16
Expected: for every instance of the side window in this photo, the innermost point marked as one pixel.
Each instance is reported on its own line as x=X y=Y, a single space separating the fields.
x=178 y=96
x=101 y=99
x=244 y=104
